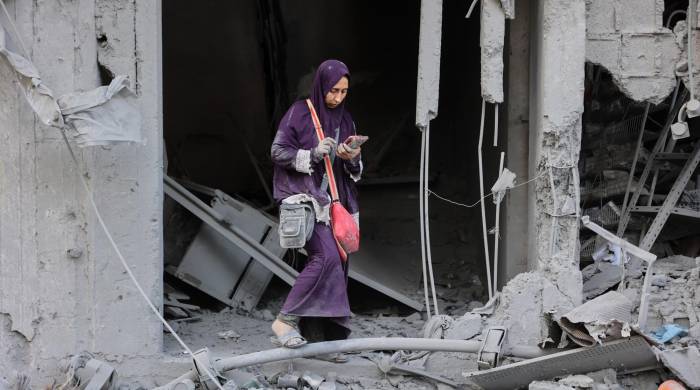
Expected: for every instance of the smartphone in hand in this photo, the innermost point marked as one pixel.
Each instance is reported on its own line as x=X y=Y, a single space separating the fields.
x=355 y=141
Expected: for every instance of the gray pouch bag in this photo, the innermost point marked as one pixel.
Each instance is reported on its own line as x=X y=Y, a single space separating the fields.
x=296 y=224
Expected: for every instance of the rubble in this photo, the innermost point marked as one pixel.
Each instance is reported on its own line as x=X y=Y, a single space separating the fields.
x=685 y=364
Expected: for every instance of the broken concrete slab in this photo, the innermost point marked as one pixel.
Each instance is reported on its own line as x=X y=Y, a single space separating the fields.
x=547 y=385
x=429 y=48
x=628 y=39
x=522 y=305
x=684 y=363
x=465 y=327
x=492 y=37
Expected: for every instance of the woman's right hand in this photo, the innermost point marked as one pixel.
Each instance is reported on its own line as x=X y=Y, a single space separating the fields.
x=323 y=148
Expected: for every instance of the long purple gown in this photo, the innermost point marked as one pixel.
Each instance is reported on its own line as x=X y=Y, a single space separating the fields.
x=321 y=288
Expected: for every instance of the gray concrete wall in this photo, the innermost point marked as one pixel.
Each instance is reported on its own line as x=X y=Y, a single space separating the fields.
x=53 y=304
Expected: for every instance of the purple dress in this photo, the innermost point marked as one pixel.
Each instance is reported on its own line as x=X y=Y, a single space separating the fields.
x=321 y=288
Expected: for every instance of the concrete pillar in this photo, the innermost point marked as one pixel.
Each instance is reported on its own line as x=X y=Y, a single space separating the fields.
x=62 y=290
x=556 y=104
x=514 y=219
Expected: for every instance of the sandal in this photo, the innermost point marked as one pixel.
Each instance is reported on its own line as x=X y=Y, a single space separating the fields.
x=333 y=357
x=291 y=339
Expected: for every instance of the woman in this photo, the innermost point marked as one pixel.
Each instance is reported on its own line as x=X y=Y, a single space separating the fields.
x=320 y=290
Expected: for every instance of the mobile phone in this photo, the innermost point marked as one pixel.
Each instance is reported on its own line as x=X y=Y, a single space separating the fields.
x=355 y=141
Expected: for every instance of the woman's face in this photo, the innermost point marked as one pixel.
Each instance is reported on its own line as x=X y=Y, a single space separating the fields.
x=337 y=94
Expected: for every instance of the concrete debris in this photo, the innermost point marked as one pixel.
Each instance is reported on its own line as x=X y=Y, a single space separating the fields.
x=87 y=373
x=685 y=364
x=578 y=381
x=599 y=380
x=493 y=30
x=413 y=318
x=628 y=39
x=229 y=335
x=523 y=303
x=542 y=385
x=599 y=277
x=465 y=327
x=429 y=47
x=674 y=295
x=599 y=320
x=18 y=381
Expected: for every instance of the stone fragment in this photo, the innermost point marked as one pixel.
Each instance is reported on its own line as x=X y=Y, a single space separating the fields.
x=465 y=327
x=547 y=385
x=579 y=381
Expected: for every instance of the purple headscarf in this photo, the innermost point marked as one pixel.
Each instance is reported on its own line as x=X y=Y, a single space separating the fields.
x=327 y=75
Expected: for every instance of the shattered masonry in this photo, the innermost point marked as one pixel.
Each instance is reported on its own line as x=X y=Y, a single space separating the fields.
x=629 y=40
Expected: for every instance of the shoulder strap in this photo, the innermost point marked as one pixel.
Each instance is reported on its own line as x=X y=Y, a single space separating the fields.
x=326 y=159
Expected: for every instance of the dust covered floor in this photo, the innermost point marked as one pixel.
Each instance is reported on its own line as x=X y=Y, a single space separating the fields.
x=226 y=332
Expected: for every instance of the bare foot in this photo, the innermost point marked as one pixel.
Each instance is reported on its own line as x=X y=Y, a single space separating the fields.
x=279 y=328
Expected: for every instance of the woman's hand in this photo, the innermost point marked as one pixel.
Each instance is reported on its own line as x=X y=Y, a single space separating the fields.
x=346 y=152
x=323 y=148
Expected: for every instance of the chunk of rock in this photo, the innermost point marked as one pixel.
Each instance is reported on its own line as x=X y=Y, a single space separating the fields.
x=547 y=385
x=580 y=381
x=415 y=317
x=465 y=327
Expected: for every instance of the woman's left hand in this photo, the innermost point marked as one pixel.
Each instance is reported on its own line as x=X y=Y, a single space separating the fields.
x=346 y=152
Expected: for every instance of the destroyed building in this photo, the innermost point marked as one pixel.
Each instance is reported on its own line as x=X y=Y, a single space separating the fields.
x=530 y=190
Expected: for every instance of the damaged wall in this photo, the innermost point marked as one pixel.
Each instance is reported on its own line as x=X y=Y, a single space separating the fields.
x=629 y=40
x=556 y=104
x=61 y=286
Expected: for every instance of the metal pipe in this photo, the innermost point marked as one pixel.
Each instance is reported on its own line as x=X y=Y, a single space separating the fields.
x=421 y=201
x=349 y=345
x=362 y=344
x=426 y=210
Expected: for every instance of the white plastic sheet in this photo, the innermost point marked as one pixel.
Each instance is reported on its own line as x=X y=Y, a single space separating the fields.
x=38 y=95
x=504 y=182
x=103 y=115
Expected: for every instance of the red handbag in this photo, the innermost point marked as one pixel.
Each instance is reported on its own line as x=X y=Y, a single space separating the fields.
x=345 y=229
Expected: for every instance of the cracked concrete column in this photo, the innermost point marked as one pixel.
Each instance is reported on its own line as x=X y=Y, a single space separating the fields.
x=62 y=290
x=556 y=103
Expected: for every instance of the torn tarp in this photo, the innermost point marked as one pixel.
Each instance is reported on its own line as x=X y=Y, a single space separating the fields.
x=103 y=115
x=599 y=320
x=38 y=95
